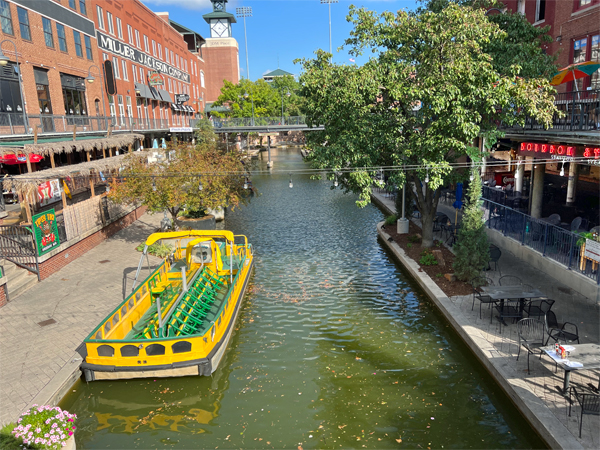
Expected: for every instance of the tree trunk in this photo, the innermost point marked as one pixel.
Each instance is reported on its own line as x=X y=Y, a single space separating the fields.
x=427 y=231
x=427 y=201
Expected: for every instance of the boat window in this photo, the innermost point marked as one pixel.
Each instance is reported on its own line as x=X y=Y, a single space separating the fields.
x=212 y=334
x=115 y=319
x=107 y=328
x=137 y=297
x=144 y=290
x=182 y=347
x=98 y=335
x=202 y=253
x=131 y=303
x=123 y=310
x=219 y=322
x=106 y=350
x=155 y=350
x=129 y=350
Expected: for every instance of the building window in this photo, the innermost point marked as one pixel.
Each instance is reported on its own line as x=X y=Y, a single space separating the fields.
x=153 y=47
x=202 y=78
x=74 y=95
x=129 y=107
x=142 y=78
x=82 y=7
x=595 y=79
x=177 y=60
x=88 y=48
x=77 y=39
x=121 y=109
x=119 y=28
x=166 y=54
x=111 y=106
x=172 y=58
x=6 y=18
x=62 y=38
x=24 y=23
x=11 y=92
x=159 y=51
x=540 y=10
x=72 y=4
x=110 y=23
x=137 y=39
x=100 y=15
x=584 y=2
x=134 y=72
x=48 y=37
x=146 y=46
x=170 y=87
x=116 y=67
x=579 y=50
x=130 y=34
x=104 y=56
x=124 y=65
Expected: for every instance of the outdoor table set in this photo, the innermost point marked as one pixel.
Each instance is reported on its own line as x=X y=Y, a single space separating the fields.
x=510 y=300
x=579 y=357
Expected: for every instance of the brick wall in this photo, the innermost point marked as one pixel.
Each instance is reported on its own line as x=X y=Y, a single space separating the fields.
x=3 y=295
x=70 y=254
x=221 y=56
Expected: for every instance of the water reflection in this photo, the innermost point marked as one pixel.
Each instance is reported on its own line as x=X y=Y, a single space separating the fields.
x=334 y=349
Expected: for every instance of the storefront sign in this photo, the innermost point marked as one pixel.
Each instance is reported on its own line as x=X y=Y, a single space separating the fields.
x=504 y=178
x=181 y=98
x=49 y=192
x=181 y=130
x=586 y=155
x=592 y=250
x=127 y=51
x=45 y=231
x=155 y=78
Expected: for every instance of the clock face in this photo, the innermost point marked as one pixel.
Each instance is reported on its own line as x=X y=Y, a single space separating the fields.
x=219 y=28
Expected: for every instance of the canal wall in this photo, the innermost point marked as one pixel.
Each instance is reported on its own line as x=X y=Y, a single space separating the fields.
x=550 y=429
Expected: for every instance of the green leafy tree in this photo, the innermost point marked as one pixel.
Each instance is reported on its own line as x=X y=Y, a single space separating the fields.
x=174 y=184
x=293 y=105
x=239 y=98
x=420 y=102
x=471 y=249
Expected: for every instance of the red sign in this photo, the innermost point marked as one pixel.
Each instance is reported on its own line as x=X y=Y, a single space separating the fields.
x=559 y=151
x=155 y=78
x=504 y=178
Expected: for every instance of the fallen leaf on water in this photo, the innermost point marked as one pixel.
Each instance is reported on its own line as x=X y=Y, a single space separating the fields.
x=398 y=440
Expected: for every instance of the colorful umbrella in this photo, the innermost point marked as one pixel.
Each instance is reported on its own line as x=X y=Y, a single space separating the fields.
x=11 y=158
x=575 y=71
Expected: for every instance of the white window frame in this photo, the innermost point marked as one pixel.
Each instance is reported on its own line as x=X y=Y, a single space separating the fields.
x=100 y=15
x=146 y=44
x=110 y=23
x=116 y=69
x=142 y=76
x=119 y=28
x=124 y=67
x=134 y=72
x=121 y=109
x=170 y=86
x=160 y=51
x=537 y=11
x=167 y=55
x=202 y=81
x=153 y=47
x=137 y=39
x=129 y=107
x=111 y=106
x=130 y=34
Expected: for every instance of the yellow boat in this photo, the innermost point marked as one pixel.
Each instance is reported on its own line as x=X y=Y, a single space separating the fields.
x=179 y=320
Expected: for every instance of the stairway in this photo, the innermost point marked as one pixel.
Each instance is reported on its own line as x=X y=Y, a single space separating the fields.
x=18 y=279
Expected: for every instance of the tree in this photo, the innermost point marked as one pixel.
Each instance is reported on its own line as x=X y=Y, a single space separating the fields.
x=419 y=103
x=292 y=105
x=239 y=98
x=174 y=185
x=471 y=249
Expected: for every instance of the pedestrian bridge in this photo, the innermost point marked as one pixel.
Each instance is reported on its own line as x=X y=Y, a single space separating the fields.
x=262 y=124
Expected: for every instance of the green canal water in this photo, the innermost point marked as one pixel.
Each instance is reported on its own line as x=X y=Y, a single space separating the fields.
x=335 y=348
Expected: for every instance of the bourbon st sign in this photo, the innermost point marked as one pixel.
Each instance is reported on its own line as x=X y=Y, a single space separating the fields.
x=127 y=51
x=586 y=155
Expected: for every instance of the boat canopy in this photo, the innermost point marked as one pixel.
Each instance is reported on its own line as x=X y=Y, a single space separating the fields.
x=190 y=233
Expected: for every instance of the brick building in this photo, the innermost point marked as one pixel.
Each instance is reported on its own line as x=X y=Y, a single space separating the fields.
x=575 y=31
x=56 y=46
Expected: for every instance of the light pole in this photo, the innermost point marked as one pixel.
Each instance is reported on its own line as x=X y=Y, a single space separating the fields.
x=329 y=2
x=245 y=11
x=288 y=93
x=90 y=79
x=4 y=61
x=252 y=101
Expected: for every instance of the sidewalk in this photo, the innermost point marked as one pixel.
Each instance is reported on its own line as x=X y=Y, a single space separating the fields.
x=76 y=298
x=500 y=346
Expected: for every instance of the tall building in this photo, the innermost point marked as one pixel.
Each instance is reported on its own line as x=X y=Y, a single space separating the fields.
x=221 y=50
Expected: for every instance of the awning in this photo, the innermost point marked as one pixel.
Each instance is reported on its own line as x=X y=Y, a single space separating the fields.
x=164 y=95
x=175 y=107
x=144 y=90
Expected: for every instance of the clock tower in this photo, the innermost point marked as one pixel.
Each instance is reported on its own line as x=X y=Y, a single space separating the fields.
x=220 y=51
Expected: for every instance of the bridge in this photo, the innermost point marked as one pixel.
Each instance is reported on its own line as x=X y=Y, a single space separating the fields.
x=262 y=124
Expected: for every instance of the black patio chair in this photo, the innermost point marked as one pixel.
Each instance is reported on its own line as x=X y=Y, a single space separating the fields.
x=576 y=224
x=539 y=307
x=589 y=403
x=554 y=219
x=509 y=280
x=495 y=254
x=476 y=283
x=532 y=333
x=566 y=331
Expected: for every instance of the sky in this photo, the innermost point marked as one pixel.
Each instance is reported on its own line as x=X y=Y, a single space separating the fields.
x=280 y=31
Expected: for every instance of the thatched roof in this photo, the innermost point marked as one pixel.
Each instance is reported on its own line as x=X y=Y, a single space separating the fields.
x=47 y=148
x=29 y=181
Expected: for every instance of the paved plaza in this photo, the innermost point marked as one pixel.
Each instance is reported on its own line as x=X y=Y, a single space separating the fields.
x=500 y=343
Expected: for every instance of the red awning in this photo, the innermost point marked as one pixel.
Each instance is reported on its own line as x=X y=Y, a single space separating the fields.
x=11 y=158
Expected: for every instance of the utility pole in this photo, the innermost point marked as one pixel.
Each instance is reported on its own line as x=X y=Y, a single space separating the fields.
x=245 y=11
x=329 y=2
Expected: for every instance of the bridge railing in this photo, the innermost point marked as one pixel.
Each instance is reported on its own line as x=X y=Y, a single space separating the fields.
x=240 y=122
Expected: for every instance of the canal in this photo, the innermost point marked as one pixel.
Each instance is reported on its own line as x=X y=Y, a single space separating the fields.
x=335 y=348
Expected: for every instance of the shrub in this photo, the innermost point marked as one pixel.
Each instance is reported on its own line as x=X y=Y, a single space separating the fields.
x=158 y=250
x=414 y=238
x=408 y=245
x=391 y=220
x=428 y=259
x=45 y=427
x=192 y=214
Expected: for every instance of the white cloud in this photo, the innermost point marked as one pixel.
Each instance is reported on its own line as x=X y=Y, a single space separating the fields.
x=267 y=71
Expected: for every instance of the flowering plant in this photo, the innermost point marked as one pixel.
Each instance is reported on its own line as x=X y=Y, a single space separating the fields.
x=45 y=427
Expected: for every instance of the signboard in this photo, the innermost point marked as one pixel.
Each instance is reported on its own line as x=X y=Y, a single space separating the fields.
x=592 y=250
x=268 y=134
x=45 y=231
x=504 y=178
x=562 y=152
x=155 y=78
x=181 y=98
x=181 y=130
x=112 y=45
x=49 y=192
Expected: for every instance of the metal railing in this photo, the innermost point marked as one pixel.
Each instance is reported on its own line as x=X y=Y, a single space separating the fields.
x=551 y=241
x=580 y=111
x=258 y=121
x=17 y=245
x=12 y=123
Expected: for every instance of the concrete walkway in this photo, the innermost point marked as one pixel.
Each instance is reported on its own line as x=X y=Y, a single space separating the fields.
x=499 y=344
x=37 y=359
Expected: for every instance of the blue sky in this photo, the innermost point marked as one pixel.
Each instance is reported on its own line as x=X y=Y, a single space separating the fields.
x=280 y=29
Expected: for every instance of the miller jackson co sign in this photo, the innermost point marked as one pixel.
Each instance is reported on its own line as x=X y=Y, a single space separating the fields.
x=127 y=51
x=590 y=155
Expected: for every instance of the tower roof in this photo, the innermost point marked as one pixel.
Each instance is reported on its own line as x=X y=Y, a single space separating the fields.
x=278 y=73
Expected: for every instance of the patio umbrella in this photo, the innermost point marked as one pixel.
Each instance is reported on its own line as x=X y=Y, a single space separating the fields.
x=575 y=71
x=11 y=158
x=458 y=203
x=155 y=143
x=163 y=143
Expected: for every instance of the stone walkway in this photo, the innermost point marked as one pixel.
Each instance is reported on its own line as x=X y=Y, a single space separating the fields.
x=36 y=360
x=501 y=342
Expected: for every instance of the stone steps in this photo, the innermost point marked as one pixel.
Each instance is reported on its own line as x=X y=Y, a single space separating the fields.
x=18 y=279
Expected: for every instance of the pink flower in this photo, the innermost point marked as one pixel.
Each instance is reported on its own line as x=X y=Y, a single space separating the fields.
x=70 y=433
x=38 y=430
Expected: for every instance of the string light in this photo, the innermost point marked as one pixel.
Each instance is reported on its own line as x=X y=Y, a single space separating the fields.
x=562 y=169
x=246 y=183
x=153 y=184
x=472 y=177
x=291 y=184
x=200 y=187
x=335 y=182
x=427 y=175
